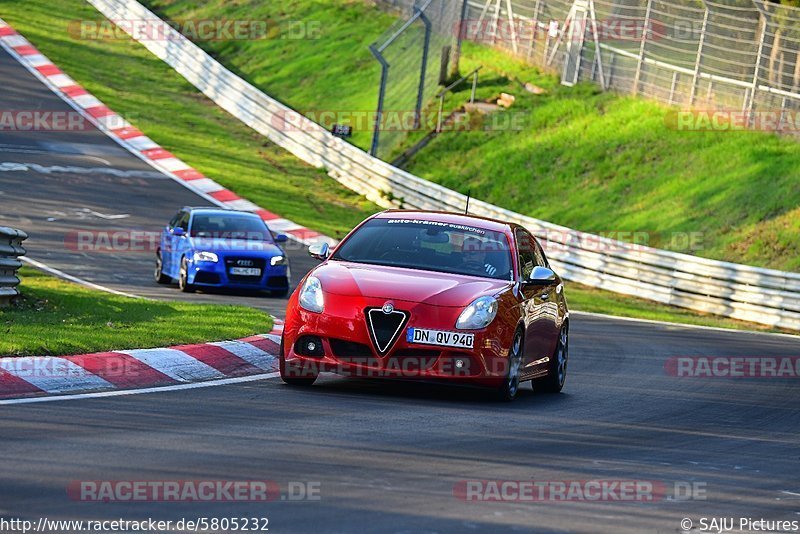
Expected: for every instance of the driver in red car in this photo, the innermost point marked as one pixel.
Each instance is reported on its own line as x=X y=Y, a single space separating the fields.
x=473 y=252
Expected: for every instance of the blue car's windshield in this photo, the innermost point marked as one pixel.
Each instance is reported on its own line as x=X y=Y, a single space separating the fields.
x=429 y=245
x=229 y=226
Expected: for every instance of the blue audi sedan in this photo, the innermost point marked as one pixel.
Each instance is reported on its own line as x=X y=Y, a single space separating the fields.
x=218 y=248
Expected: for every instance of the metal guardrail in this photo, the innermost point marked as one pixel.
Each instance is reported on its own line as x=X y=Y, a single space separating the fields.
x=732 y=290
x=10 y=251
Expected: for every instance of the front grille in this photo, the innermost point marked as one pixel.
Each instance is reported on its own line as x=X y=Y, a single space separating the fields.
x=385 y=328
x=350 y=352
x=234 y=261
x=413 y=360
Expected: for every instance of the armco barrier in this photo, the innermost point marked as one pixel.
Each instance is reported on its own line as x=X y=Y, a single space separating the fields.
x=743 y=292
x=10 y=251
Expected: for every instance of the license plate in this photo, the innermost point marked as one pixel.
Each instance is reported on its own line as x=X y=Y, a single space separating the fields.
x=245 y=271
x=440 y=337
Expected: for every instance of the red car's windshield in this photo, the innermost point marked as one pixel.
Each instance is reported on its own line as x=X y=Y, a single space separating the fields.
x=429 y=245
x=227 y=226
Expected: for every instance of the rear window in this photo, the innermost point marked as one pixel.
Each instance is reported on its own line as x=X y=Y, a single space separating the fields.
x=429 y=245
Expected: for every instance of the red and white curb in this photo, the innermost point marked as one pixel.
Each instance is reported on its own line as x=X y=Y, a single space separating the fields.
x=141 y=368
x=133 y=140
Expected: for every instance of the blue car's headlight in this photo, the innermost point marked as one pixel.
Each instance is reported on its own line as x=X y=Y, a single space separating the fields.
x=479 y=314
x=206 y=256
x=311 y=297
x=277 y=260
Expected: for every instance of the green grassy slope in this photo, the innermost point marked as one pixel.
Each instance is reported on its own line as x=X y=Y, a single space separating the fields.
x=593 y=161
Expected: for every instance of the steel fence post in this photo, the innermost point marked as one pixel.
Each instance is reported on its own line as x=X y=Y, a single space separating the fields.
x=762 y=10
x=381 y=96
x=455 y=60
x=693 y=90
x=424 y=68
x=645 y=29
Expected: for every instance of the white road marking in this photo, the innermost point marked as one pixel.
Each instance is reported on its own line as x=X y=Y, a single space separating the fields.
x=683 y=325
x=104 y=216
x=10 y=166
x=81 y=281
x=125 y=392
x=175 y=364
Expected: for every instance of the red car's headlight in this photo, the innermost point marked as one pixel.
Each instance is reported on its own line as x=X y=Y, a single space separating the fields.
x=311 y=297
x=479 y=314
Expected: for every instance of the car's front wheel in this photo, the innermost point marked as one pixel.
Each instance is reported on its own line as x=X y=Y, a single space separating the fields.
x=510 y=386
x=159 y=275
x=557 y=373
x=183 y=277
x=293 y=375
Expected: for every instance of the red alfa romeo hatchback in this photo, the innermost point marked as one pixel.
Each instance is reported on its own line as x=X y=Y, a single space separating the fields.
x=433 y=296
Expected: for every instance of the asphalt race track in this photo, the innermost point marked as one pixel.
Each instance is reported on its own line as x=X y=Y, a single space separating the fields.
x=385 y=456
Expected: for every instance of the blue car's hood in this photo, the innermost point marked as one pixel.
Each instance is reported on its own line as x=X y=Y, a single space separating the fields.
x=257 y=248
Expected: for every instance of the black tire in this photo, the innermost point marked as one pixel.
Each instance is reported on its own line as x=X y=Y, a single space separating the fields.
x=557 y=373
x=183 y=276
x=159 y=275
x=510 y=386
x=294 y=378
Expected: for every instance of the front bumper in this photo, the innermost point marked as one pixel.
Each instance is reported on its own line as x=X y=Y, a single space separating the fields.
x=210 y=274
x=347 y=348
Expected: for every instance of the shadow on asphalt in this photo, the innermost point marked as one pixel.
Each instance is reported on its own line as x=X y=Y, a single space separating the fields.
x=388 y=389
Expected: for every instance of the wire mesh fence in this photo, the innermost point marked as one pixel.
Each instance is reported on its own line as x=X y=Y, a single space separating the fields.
x=414 y=54
x=737 y=56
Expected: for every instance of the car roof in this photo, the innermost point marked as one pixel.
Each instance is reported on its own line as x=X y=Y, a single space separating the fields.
x=484 y=223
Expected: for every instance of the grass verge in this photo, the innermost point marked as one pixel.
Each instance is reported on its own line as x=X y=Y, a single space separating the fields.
x=54 y=317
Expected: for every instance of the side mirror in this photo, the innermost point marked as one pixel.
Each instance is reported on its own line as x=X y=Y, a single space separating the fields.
x=319 y=251
x=541 y=276
x=281 y=238
x=178 y=231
